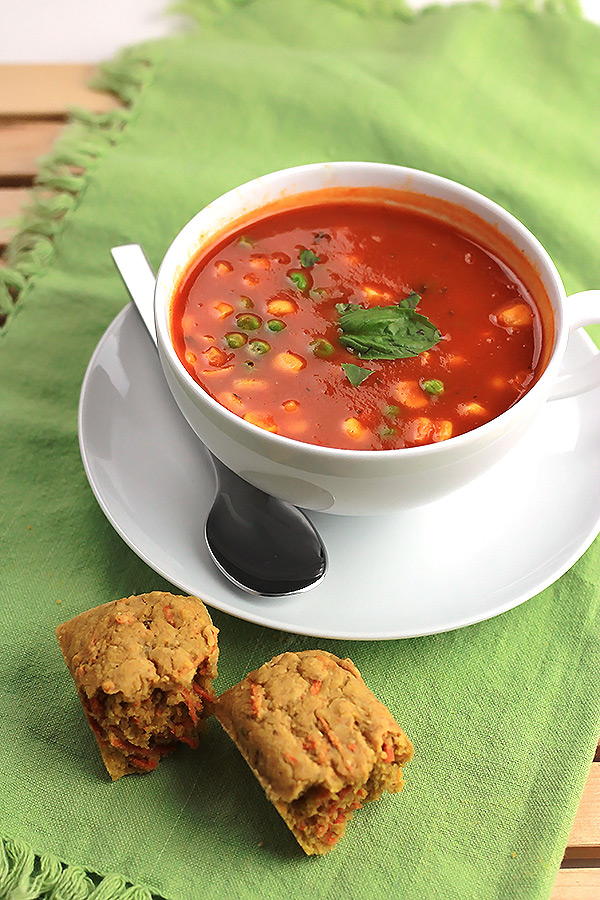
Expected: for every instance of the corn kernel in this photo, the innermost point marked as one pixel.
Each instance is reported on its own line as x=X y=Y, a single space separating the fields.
x=190 y=357
x=517 y=316
x=260 y=261
x=353 y=428
x=471 y=409
x=218 y=372
x=281 y=307
x=231 y=401
x=419 y=430
x=290 y=405
x=250 y=384
x=442 y=430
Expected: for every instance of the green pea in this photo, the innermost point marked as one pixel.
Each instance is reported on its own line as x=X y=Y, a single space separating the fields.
x=299 y=279
x=246 y=302
x=276 y=325
x=248 y=322
x=433 y=386
x=235 y=340
x=259 y=347
x=321 y=348
x=245 y=241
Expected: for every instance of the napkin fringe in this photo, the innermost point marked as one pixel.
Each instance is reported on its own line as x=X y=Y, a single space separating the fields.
x=25 y=875
x=63 y=175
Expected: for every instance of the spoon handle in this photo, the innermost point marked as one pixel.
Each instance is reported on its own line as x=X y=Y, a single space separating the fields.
x=139 y=279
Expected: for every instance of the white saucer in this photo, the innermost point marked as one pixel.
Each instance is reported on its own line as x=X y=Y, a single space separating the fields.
x=470 y=556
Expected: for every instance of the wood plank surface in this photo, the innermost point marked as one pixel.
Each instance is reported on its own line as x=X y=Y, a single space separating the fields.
x=22 y=143
x=34 y=101
x=47 y=91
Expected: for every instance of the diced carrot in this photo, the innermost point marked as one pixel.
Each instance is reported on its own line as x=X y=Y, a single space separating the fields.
x=498 y=383
x=517 y=316
x=223 y=309
x=375 y=296
x=190 y=357
x=442 y=430
x=315 y=686
x=388 y=751
x=410 y=394
x=353 y=428
x=251 y=279
x=255 y=698
x=168 y=614
x=471 y=409
x=290 y=405
x=291 y=759
x=281 y=307
x=289 y=362
x=217 y=357
x=146 y=764
x=223 y=267
x=263 y=420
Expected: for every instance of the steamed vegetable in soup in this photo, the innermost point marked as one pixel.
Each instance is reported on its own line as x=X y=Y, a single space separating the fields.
x=357 y=325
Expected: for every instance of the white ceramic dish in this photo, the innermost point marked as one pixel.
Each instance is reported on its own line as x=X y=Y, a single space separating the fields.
x=371 y=481
x=467 y=557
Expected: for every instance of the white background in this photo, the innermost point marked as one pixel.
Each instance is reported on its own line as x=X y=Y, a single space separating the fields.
x=93 y=30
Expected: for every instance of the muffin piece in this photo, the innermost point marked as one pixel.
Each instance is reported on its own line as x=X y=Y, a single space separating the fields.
x=143 y=668
x=318 y=740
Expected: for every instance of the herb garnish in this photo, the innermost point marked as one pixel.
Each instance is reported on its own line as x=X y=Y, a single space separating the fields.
x=308 y=258
x=356 y=374
x=386 y=332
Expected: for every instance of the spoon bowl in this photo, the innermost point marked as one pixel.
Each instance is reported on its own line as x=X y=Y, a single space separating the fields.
x=263 y=545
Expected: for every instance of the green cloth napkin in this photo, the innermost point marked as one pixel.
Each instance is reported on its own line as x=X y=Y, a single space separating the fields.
x=504 y=715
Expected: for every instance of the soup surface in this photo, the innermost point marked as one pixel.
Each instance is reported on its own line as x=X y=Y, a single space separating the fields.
x=357 y=325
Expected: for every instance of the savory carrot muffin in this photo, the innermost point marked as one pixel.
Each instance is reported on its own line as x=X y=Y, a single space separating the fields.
x=318 y=740
x=143 y=668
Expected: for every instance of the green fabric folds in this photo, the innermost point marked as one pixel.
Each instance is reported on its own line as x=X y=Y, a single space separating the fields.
x=504 y=715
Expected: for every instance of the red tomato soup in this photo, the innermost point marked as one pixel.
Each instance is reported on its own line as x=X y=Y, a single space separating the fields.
x=290 y=323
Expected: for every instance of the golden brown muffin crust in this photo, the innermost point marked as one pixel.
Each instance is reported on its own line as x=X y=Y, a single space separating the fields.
x=143 y=667
x=318 y=740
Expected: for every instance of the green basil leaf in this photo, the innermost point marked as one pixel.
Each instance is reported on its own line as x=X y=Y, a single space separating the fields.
x=386 y=332
x=308 y=258
x=356 y=374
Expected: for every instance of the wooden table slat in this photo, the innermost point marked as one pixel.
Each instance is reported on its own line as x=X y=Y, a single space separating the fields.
x=48 y=91
x=12 y=201
x=577 y=884
x=21 y=145
x=584 y=840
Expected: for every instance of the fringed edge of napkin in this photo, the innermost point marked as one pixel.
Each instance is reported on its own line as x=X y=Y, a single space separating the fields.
x=63 y=175
x=25 y=875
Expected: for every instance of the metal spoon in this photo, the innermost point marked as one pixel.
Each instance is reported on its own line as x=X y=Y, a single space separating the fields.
x=263 y=545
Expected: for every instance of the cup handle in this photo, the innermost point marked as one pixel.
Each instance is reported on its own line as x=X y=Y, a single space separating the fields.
x=581 y=309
